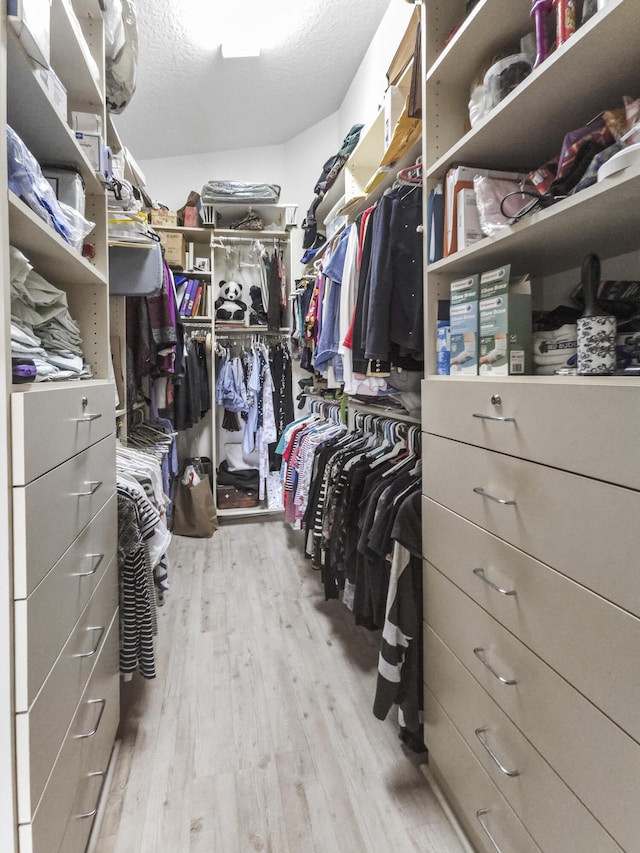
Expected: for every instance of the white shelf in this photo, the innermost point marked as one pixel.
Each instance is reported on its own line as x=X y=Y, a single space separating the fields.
x=196 y=235
x=34 y=118
x=71 y=57
x=50 y=255
x=490 y=26
x=247 y=512
x=528 y=126
x=605 y=217
x=382 y=411
x=231 y=233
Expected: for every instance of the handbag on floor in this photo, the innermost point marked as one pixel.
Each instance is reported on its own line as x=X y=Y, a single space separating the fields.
x=194 y=513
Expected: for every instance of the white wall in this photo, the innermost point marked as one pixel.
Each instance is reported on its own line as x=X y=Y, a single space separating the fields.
x=297 y=164
x=366 y=93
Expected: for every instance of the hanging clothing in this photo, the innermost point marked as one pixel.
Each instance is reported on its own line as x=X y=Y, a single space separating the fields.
x=400 y=659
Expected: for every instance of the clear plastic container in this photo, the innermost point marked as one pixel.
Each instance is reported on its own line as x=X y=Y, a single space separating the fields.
x=503 y=77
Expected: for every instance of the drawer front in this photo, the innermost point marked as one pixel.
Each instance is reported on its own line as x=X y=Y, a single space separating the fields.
x=50 y=512
x=543 y=422
x=576 y=525
x=572 y=735
x=556 y=819
x=64 y=592
x=96 y=724
x=591 y=643
x=41 y=730
x=59 y=822
x=486 y=816
x=69 y=423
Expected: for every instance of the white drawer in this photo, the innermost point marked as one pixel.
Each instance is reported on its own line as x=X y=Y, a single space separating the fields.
x=583 y=528
x=590 y=642
x=50 y=512
x=556 y=819
x=486 y=816
x=52 y=424
x=41 y=730
x=63 y=593
x=547 y=418
x=58 y=823
x=595 y=758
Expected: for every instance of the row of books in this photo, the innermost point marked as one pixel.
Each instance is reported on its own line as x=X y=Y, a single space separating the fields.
x=193 y=296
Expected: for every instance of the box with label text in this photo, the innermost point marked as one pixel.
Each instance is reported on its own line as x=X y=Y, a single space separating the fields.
x=463 y=314
x=174 y=248
x=505 y=324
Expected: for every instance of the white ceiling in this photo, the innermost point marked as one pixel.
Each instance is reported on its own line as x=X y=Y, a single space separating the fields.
x=190 y=100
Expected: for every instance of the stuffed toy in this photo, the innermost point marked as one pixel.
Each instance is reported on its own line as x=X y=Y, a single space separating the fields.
x=229 y=305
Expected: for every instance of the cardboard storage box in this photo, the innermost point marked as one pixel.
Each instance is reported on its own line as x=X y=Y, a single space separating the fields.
x=464 y=326
x=505 y=324
x=174 y=248
x=164 y=217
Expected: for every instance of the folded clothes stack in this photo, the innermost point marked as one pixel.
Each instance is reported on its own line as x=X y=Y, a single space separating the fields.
x=42 y=329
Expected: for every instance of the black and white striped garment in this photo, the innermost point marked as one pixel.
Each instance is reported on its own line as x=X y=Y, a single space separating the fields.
x=136 y=522
x=400 y=659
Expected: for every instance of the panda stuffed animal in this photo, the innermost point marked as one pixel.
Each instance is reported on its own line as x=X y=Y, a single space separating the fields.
x=229 y=305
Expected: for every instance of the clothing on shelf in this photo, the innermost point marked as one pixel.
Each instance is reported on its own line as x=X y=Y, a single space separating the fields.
x=361 y=313
x=42 y=329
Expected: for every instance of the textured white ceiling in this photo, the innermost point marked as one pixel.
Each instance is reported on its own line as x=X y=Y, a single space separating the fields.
x=190 y=100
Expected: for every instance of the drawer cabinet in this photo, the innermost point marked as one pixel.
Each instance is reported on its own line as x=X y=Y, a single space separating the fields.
x=594 y=757
x=489 y=820
x=77 y=489
x=556 y=618
x=554 y=816
x=76 y=417
x=41 y=730
x=538 y=420
x=63 y=817
x=64 y=591
x=583 y=528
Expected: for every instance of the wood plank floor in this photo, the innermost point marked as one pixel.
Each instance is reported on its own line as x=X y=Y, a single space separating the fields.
x=257 y=734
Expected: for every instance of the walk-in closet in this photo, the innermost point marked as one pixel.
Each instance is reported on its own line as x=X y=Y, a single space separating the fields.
x=320 y=396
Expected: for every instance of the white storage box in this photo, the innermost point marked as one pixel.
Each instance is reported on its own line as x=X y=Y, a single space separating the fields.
x=55 y=89
x=31 y=19
x=68 y=186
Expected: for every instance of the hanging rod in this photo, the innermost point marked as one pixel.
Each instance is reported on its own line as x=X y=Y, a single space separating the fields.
x=250 y=330
x=259 y=238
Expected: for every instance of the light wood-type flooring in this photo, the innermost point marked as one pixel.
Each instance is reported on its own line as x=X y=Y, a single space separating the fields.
x=258 y=734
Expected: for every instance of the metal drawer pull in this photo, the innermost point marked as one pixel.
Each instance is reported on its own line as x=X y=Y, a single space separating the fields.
x=480 y=574
x=480 y=814
x=479 y=653
x=95 y=486
x=493 y=418
x=95 y=648
x=85 y=419
x=480 y=491
x=510 y=773
x=94 y=812
x=103 y=704
x=98 y=558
